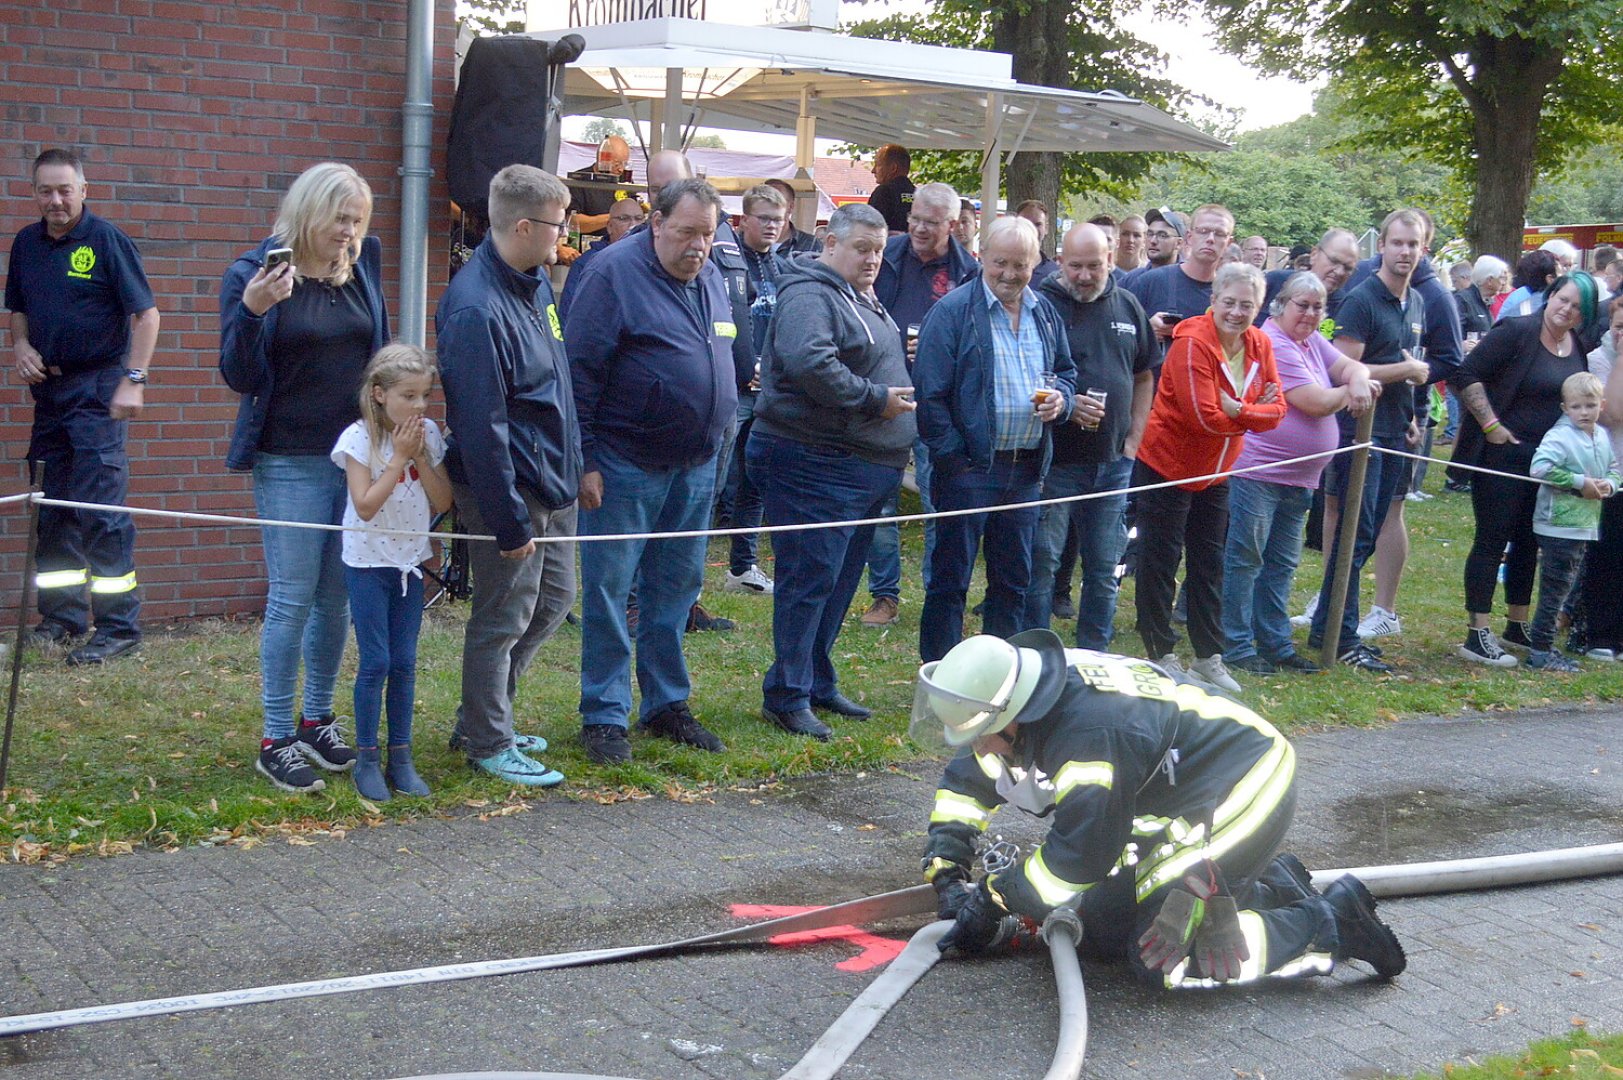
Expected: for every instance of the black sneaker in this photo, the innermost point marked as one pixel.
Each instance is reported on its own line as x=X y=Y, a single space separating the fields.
x=1462 y=487
x=1300 y=664
x=1362 y=935
x=1480 y=647
x=676 y=723
x=323 y=743
x=283 y=764
x=1360 y=657
x=1516 y=635
x=1063 y=607
x=606 y=744
x=1255 y=664
x=700 y=620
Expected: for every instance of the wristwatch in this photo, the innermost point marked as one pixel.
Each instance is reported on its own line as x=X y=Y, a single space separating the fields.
x=136 y=375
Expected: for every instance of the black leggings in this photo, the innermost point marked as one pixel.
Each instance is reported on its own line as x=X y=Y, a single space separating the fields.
x=1503 y=509
x=1603 y=580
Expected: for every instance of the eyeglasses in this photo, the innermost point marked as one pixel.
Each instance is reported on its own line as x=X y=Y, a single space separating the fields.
x=768 y=221
x=1214 y=234
x=1306 y=308
x=1162 y=234
x=559 y=225
x=929 y=223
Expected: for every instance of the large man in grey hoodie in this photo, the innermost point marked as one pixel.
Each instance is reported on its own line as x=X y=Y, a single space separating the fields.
x=833 y=427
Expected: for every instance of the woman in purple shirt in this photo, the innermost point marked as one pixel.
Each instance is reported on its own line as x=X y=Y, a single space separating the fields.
x=1268 y=507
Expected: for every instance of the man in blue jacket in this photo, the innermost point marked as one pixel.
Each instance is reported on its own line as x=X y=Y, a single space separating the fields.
x=650 y=339
x=919 y=268
x=994 y=373
x=514 y=458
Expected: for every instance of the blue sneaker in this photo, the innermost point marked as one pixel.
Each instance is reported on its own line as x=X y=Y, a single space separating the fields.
x=513 y=767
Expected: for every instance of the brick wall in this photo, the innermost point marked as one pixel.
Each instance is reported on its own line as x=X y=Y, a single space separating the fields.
x=193 y=116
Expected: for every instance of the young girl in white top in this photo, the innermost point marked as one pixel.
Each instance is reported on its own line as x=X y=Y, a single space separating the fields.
x=393 y=460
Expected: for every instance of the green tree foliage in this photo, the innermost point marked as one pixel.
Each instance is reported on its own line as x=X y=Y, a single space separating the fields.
x=601 y=127
x=492 y=16
x=1588 y=189
x=1290 y=200
x=1494 y=90
x=1082 y=47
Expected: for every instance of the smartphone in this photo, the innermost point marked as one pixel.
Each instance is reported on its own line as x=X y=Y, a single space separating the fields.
x=276 y=258
x=1172 y=318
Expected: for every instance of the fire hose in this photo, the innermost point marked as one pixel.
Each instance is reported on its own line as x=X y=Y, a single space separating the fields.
x=1062 y=933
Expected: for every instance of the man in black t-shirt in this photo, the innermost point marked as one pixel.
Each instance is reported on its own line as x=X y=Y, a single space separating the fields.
x=892 y=196
x=83 y=327
x=1380 y=324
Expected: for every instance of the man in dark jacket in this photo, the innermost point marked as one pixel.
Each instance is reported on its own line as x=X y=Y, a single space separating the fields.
x=994 y=374
x=1164 y=805
x=919 y=268
x=514 y=458
x=1116 y=356
x=833 y=427
x=650 y=340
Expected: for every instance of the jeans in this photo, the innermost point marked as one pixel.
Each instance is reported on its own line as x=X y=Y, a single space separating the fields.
x=885 y=554
x=83 y=452
x=668 y=574
x=745 y=508
x=817 y=569
x=1174 y=524
x=1101 y=535
x=1452 y=428
x=387 y=609
x=1560 y=559
x=306 y=605
x=1259 y=562
x=517 y=605
x=1009 y=536
x=1384 y=480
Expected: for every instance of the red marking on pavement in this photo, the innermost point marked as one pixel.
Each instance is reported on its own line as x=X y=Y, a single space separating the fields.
x=876 y=951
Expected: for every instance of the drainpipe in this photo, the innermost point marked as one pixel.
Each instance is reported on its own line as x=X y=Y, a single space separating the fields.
x=417 y=116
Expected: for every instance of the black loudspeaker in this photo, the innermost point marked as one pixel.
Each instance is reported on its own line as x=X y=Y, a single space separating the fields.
x=506 y=112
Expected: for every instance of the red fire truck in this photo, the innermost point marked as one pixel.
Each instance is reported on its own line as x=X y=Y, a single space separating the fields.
x=1586 y=238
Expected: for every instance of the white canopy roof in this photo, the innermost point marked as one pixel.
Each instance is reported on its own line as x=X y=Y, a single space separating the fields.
x=859 y=90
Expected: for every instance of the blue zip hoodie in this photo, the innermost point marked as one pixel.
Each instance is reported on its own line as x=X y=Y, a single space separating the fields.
x=654 y=381
x=954 y=380
x=508 y=396
x=245 y=340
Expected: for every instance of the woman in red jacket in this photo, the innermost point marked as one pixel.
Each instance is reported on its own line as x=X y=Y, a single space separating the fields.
x=1218 y=383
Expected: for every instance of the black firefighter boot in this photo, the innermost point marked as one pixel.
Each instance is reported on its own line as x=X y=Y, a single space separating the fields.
x=1283 y=881
x=1362 y=936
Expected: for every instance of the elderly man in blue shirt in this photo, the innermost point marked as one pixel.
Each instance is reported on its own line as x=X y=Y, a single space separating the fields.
x=994 y=374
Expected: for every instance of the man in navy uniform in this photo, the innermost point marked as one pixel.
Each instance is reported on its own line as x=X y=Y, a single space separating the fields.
x=83 y=327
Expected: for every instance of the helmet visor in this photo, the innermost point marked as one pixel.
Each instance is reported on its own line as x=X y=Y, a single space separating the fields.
x=947 y=719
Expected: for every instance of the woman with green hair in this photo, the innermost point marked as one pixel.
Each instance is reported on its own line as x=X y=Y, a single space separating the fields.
x=1511 y=386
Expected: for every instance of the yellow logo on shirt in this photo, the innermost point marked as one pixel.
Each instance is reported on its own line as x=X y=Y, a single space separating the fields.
x=552 y=321
x=726 y=329
x=82 y=261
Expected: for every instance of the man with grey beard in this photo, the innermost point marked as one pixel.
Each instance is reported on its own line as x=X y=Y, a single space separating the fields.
x=1116 y=356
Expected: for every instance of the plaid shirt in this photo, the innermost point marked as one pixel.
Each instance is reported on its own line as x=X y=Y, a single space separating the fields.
x=1018 y=361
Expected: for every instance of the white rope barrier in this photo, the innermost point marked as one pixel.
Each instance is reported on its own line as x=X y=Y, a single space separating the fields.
x=897 y=519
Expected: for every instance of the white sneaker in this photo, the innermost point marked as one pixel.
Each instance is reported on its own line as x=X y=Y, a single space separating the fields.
x=1211 y=669
x=750 y=581
x=1379 y=623
x=1172 y=665
x=1306 y=617
x=1603 y=655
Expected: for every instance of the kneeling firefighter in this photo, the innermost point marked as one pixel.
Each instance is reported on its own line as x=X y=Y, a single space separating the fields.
x=1166 y=805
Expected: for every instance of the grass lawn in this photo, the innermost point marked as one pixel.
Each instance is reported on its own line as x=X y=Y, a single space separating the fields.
x=1579 y=1055
x=158 y=748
